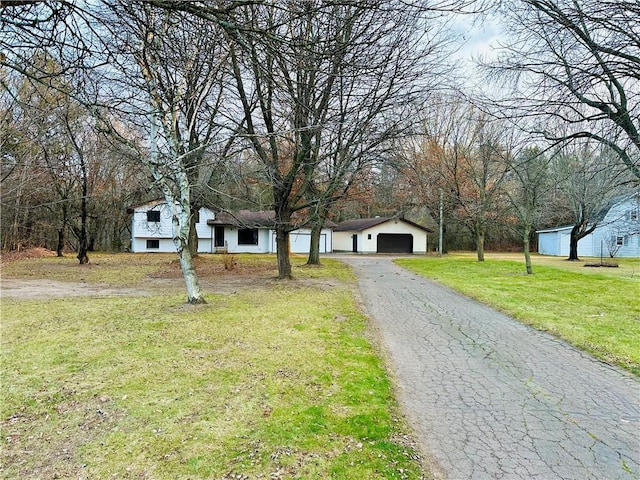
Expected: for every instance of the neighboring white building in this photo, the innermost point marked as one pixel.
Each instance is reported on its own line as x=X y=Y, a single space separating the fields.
x=241 y=232
x=151 y=229
x=380 y=235
x=617 y=234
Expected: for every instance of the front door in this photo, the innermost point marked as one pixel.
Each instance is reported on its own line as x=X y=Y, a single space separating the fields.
x=354 y=239
x=219 y=236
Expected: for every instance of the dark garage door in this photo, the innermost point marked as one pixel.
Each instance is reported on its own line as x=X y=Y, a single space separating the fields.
x=395 y=243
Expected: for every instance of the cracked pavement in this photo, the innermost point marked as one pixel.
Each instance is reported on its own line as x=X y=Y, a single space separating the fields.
x=490 y=398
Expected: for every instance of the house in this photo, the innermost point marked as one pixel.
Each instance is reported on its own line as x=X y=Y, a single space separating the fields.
x=616 y=235
x=151 y=228
x=254 y=232
x=238 y=232
x=380 y=235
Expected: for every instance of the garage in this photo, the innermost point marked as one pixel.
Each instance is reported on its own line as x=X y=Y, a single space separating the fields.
x=395 y=243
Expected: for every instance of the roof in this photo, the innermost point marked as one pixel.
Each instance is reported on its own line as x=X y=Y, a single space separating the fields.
x=555 y=229
x=147 y=204
x=245 y=219
x=360 y=224
x=259 y=219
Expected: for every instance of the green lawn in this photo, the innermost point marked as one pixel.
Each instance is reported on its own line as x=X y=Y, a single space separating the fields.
x=595 y=309
x=278 y=381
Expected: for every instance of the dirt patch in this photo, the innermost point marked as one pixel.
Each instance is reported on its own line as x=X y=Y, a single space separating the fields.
x=213 y=279
x=22 y=254
x=206 y=268
x=42 y=289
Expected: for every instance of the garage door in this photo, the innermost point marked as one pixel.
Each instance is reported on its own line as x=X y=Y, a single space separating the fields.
x=395 y=243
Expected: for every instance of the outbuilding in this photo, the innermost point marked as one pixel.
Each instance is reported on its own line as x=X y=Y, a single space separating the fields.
x=380 y=235
x=617 y=233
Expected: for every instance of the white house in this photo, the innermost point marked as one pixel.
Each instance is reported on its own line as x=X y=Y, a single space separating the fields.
x=254 y=232
x=380 y=235
x=617 y=234
x=151 y=229
x=239 y=232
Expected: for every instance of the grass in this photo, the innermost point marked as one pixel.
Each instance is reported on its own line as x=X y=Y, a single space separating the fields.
x=273 y=382
x=595 y=309
x=132 y=270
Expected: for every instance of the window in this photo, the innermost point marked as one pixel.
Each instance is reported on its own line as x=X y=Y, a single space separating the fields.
x=368 y=236
x=622 y=241
x=633 y=215
x=153 y=244
x=247 y=236
x=196 y=214
x=153 y=216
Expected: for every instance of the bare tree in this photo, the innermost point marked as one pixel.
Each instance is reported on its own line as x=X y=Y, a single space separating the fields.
x=465 y=155
x=578 y=63
x=325 y=88
x=587 y=179
x=177 y=61
x=528 y=192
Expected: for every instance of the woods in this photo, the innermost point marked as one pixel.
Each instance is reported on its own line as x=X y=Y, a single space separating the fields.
x=325 y=110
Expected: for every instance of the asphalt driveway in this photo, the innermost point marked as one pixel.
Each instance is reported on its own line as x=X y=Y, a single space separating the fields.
x=490 y=398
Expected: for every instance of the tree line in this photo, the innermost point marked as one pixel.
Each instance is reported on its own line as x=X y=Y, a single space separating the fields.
x=323 y=108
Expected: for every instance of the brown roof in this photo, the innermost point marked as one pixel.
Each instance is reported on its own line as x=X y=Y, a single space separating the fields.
x=361 y=224
x=260 y=219
x=245 y=219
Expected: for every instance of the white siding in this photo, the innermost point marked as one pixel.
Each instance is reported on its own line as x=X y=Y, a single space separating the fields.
x=368 y=238
x=342 y=241
x=370 y=245
x=142 y=230
x=549 y=243
x=231 y=241
x=623 y=220
x=300 y=241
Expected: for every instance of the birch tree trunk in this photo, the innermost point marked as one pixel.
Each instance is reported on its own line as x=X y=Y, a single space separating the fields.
x=181 y=232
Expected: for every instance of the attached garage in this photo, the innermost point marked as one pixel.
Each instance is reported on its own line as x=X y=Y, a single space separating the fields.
x=380 y=235
x=395 y=243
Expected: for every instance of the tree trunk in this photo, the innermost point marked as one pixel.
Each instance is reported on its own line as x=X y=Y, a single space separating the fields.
x=527 y=246
x=193 y=237
x=194 y=294
x=60 y=246
x=314 y=249
x=83 y=258
x=83 y=247
x=480 y=246
x=181 y=223
x=573 y=244
x=282 y=244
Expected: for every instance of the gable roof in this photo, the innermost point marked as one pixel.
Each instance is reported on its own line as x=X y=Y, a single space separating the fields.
x=360 y=224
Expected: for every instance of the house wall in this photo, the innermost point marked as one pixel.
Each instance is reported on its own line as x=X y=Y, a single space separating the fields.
x=343 y=241
x=142 y=230
x=300 y=241
x=623 y=220
x=231 y=240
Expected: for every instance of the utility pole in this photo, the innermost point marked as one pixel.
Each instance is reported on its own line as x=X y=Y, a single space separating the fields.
x=440 y=230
